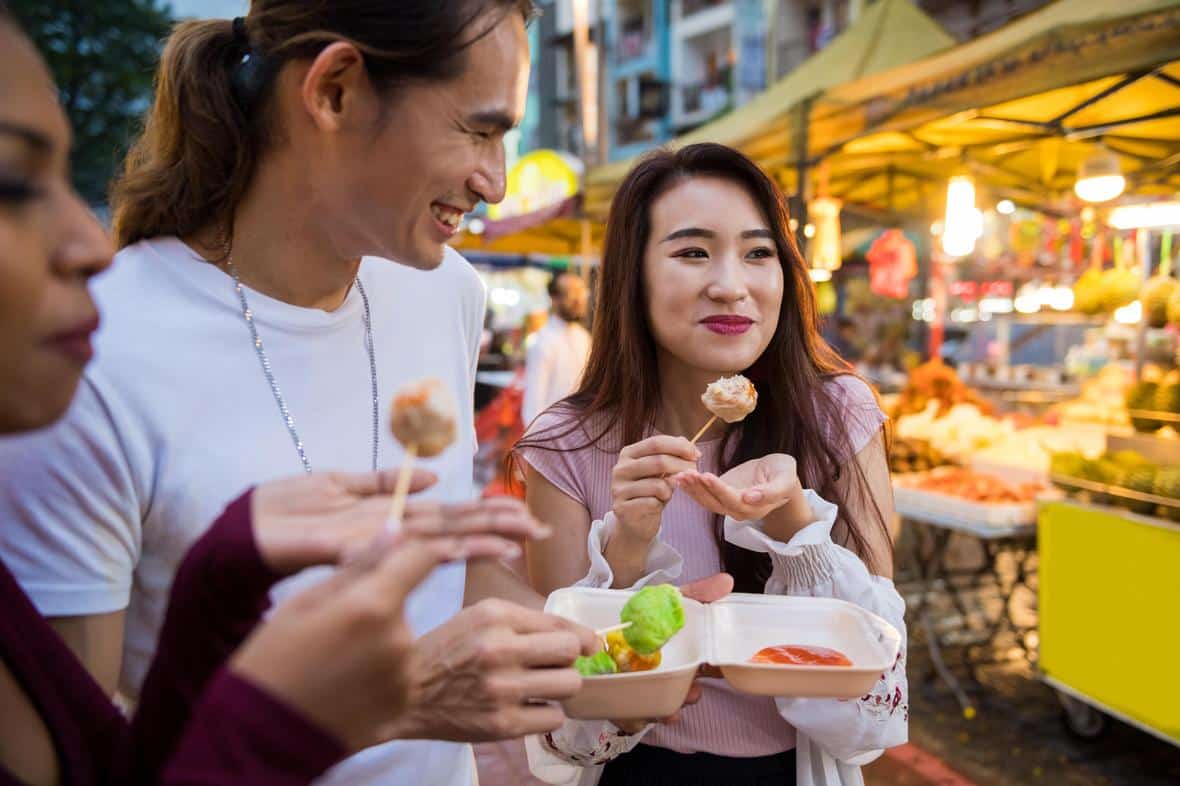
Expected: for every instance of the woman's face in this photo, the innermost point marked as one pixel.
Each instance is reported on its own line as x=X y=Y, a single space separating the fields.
x=50 y=246
x=713 y=278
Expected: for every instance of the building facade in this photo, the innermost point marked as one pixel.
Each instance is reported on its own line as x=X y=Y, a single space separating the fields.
x=664 y=67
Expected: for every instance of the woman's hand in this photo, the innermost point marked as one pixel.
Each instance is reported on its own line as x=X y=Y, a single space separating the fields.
x=640 y=489
x=765 y=489
x=341 y=652
x=324 y=517
x=640 y=485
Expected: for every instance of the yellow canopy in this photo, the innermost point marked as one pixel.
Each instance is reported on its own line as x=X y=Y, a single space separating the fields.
x=887 y=33
x=1019 y=109
x=556 y=237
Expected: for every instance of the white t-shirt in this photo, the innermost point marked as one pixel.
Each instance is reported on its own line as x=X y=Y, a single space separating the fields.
x=554 y=363
x=174 y=419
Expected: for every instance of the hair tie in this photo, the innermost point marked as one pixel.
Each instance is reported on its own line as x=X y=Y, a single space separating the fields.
x=241 y=36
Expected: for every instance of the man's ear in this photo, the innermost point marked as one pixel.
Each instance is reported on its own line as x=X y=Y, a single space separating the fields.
x=333 y=84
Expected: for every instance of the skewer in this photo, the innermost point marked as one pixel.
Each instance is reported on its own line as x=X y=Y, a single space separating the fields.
x=601 y=632
x=402 y=490
x=704 y=428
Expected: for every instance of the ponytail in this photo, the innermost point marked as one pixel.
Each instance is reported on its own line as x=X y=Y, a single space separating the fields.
x=211 y=120
x=197 y=153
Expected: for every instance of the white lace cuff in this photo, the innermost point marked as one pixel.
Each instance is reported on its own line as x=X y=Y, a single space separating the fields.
x=663 y=564
x=806 y=560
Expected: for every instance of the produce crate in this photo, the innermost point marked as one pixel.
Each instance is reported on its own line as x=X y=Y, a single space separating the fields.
x=910 y=501
x=1118 y=492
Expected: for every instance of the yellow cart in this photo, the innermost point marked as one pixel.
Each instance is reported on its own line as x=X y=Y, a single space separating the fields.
x=1109 y=609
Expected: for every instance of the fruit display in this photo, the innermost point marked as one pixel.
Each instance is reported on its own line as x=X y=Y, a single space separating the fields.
x=1157 y=293
x=1027 y=453
x=1120 y=471
x=914 y=455
x=1120 y=287
x=958 y=432
x=1154 y=394
x=974 y=486
x=1087 y=292
x=935 y=382
x=1102 y=399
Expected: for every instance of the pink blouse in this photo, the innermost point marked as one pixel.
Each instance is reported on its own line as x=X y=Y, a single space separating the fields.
x=723 y=722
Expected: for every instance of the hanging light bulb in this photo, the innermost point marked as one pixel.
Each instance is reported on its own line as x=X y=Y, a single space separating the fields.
x=963 y=224
x=1100 y=177
x=825 y=240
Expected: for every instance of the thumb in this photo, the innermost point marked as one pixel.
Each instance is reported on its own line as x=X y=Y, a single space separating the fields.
x=708 y=589
x=367 y=484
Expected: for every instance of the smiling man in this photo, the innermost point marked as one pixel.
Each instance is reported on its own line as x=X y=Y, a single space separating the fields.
x=255 y=327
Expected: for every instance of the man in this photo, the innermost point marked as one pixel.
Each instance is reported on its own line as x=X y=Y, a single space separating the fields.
x=557 y=355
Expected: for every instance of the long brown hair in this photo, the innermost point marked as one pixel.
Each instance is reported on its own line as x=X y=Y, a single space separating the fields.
x=797 y=413
x=211 y=120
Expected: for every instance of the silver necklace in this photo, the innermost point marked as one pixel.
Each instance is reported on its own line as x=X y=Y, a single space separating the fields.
x=288 y=420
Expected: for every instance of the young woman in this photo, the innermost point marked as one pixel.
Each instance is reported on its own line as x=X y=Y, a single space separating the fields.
x=287 y=705
x=248 y=336
x=700 y=279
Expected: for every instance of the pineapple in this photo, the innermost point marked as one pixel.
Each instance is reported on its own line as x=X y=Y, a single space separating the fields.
x=1167 y=484
x=1142 y=396
x=1142 y=479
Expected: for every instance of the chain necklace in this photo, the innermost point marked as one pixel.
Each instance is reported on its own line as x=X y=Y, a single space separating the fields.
x=288 y=420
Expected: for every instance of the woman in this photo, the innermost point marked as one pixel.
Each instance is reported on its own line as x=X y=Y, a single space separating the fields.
x=287 y=705
x=247 y=336
x=792 y=500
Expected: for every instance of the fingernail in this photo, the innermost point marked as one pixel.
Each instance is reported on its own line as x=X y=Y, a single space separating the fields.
x=511 y=551
x=542 y=531
x=754 y=496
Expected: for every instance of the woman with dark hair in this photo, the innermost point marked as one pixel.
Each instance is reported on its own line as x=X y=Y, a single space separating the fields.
x=282 y=224
x=227 y=701
x=701 y=278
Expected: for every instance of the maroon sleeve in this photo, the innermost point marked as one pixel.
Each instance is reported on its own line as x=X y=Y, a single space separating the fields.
x=242 y=736
x=219 y=595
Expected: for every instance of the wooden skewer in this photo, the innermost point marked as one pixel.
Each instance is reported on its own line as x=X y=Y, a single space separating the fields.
x=704 y=428
x=402 y=490
x=601 y=632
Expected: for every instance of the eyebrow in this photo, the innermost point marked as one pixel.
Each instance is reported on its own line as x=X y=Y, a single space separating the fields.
x=501 y=121
x=38 y=141
x=708 y=233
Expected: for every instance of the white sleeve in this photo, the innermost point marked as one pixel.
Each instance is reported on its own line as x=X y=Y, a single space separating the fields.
x=70 y=510
x=537 y=373
x=810 y=564
x=475 y=317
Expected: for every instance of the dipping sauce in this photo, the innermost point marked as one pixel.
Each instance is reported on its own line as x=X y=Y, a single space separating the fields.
x=801 y=655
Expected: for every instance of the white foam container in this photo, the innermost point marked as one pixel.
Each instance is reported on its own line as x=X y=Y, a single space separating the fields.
x=726 y=634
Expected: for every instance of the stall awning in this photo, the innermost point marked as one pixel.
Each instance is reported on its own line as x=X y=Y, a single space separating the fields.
x=1019 y=109
x=888 y=33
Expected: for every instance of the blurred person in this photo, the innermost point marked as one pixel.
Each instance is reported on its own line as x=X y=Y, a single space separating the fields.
x=255 y=327
x=792 y=500
x=287 y=704
x=557 y=354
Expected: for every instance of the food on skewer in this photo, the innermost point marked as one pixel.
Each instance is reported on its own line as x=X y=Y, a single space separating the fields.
x=423 y=415
x=655 y=615
x=423 y=421
x=801 y=655
x=729 y=398
x=593 y=665
x=625 y=658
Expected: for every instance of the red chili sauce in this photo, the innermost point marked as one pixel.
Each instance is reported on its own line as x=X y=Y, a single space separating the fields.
x=801 y=655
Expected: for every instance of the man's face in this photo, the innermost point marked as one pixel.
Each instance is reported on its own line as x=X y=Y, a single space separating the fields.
x=572 y=296
x=439 y=153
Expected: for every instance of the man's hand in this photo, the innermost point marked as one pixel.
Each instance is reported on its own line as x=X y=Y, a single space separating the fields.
x=489 y=673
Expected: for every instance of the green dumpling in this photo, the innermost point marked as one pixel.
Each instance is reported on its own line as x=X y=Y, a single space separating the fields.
x=655 y=614
x=598 y=663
